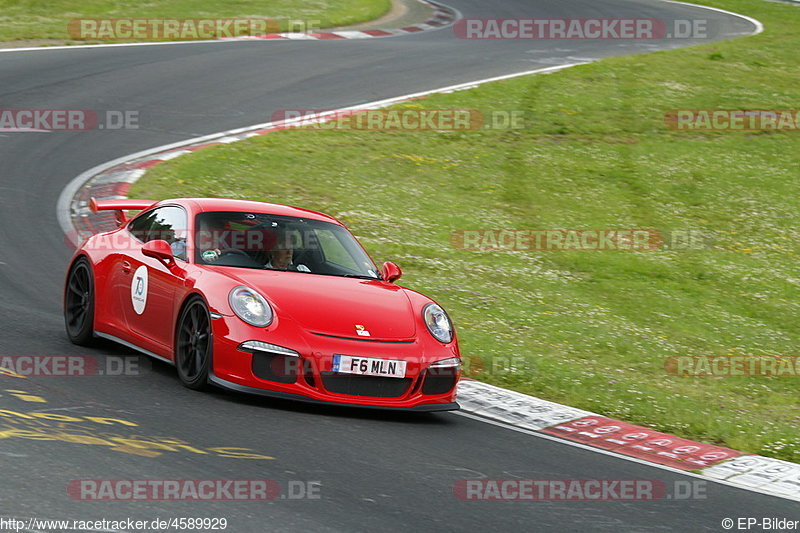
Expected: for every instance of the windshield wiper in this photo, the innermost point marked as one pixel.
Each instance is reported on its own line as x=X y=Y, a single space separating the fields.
x=358 y=276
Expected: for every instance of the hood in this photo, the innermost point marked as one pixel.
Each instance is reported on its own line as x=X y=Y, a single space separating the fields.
x=334 y=305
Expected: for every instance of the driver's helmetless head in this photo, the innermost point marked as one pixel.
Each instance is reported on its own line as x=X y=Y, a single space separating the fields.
x=282 y=250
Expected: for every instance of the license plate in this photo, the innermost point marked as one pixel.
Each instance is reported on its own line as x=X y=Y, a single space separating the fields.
x=369 y=366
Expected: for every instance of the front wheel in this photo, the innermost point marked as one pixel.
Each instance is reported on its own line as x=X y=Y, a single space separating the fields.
x=193 y=345
x=79 y=303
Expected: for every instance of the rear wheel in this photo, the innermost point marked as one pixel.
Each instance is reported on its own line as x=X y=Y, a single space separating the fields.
x=79 y=304
x=193 y=345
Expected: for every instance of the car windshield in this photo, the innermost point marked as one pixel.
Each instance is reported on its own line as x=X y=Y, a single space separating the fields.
x=274 y=242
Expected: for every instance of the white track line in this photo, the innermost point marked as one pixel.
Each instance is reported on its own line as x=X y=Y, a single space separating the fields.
x=757 y=23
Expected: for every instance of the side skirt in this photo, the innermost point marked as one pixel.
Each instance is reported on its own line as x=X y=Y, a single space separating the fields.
x=132 y=346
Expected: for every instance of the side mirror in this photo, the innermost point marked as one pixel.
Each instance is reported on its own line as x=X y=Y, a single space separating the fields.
x=391 y=272
x=160 y=250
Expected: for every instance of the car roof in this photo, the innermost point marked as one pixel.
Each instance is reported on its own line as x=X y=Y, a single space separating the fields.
x=203 y=205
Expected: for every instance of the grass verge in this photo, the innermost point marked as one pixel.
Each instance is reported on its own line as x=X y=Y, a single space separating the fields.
x=34 y=19
x=589 y=329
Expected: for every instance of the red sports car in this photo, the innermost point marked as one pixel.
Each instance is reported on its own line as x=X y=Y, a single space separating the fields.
x=261 y=298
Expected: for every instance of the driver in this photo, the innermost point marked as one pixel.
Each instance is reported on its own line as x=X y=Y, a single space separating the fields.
x=280 y=256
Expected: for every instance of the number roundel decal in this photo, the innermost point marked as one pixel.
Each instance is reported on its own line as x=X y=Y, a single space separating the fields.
x=139 y=290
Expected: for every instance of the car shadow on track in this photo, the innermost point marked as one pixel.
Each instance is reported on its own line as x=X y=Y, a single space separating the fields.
x=360 y=413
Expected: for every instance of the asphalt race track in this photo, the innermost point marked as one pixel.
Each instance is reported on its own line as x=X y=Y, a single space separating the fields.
x=377 y=471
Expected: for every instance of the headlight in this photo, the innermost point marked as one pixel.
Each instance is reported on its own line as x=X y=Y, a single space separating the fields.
x=438 y=323
x=250 y=306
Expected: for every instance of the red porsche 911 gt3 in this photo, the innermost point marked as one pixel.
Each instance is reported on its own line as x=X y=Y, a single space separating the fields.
x=261 y=298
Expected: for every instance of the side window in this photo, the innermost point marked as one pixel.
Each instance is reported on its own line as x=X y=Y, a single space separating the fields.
x=165 y=223
x=169 y=224
x=140 y=226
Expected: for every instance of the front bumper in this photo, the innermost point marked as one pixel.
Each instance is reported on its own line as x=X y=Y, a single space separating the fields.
x=421 y=408
x=309 y=377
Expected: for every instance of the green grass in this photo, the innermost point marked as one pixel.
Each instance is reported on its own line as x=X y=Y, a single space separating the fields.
x=37 y=19
x=589 y=329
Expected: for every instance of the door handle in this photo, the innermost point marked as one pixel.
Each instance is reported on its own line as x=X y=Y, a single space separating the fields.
x=126 y=267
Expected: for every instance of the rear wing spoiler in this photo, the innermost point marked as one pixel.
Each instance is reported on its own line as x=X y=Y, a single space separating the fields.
x=119 y=206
